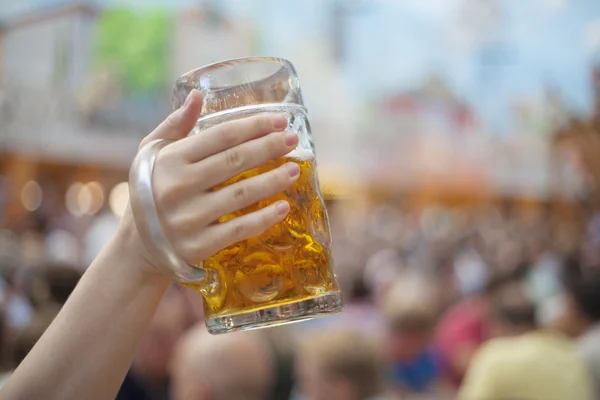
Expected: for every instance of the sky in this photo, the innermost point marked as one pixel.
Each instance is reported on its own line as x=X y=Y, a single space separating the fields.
x=489 y=58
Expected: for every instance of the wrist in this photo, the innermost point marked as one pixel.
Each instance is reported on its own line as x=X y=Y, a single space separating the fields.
x=128 y=244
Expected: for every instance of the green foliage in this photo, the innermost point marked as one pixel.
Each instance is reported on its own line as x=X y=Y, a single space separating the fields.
x=137 y=45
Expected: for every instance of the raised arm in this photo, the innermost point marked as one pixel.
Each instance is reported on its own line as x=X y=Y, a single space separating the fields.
x=89 y=347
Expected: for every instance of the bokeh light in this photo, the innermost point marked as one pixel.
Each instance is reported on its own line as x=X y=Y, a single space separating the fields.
x=119 y=196
x=32 y=196
x=96 y=194
x=72 y=199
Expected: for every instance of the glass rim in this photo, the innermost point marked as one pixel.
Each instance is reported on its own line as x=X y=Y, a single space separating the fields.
x=238 y=60
x=252 y=76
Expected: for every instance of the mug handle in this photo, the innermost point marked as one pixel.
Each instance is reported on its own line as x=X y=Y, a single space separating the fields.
x=147 y=220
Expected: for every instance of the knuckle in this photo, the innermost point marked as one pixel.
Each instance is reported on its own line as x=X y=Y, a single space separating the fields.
x=234 y=159
x=168 y=159
x=240 y=194
x=169 y=193
x=163 y=197
x=172 y=121
x=161 y=157
x=238 y=231
x=178 y=224
x=166 y=154
x=160 y=191
x=261 y=123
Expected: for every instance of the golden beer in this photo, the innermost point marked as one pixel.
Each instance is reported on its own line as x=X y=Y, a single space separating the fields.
x=288 y=263
x=286 y=273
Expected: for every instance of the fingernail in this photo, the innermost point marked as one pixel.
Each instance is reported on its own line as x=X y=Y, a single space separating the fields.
x=282 y=207
x=293 y=169
x=279 y=121
x=290 y=138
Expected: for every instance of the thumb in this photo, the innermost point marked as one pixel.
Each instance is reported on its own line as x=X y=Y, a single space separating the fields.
x=179 y=124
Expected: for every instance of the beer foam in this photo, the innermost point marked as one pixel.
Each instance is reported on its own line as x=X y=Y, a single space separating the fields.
x=302 y=154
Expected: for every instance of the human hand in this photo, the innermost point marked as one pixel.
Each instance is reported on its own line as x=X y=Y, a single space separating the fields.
x=186 y=171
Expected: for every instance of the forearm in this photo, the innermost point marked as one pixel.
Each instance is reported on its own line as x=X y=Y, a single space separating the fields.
x=89 y=347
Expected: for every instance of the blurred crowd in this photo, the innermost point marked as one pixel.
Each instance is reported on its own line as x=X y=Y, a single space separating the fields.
x=440 y=303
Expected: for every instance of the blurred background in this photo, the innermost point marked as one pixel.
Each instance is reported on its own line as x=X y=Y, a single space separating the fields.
x=459 y=150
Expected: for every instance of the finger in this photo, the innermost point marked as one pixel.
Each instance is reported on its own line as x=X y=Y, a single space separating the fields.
x=240 y=195
x=219 y=236
x=231 y=162
x=194 y=212
x=230 y=134
x=179 y=124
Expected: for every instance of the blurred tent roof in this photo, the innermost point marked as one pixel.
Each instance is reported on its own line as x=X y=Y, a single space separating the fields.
x=487 y=167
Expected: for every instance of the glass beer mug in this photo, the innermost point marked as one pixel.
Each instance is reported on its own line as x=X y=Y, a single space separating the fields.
x=283 y=275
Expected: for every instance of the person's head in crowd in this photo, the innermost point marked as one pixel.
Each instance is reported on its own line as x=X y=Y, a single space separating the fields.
x=341 y=365
x=236 y=366
x=410 y=310
x=158 y=343
x=512 y=313
x=502 y=279
x=581 y=282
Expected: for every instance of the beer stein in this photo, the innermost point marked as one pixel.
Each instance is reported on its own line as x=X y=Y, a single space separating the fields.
x=286 y=273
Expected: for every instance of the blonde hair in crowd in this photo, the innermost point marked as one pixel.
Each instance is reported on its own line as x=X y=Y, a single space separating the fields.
x=236 y=366
x=348 y=355
x=411 y=304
